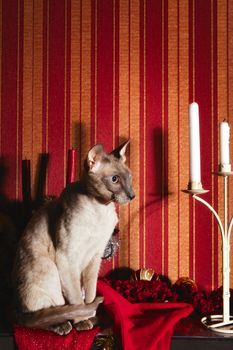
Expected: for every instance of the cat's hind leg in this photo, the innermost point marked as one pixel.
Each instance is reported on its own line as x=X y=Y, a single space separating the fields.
x=90 y=320
x=90 y=276
x=43 y=290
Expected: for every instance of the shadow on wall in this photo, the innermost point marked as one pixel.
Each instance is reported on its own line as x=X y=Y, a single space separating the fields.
x=13 y=209
x=14 y=216
x=159 y=168
x=19 y=212
x=80 y=141
x=160 y=161
x=11 y=224
x=157 y=176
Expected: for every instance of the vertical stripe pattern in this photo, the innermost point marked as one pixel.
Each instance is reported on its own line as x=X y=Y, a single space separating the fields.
x=78 y=72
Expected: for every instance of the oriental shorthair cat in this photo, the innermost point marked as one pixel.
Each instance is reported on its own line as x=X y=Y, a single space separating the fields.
x=59 y=254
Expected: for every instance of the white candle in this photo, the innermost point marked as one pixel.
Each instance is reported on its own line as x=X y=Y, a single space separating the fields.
x=194 y=144
x=224 y=143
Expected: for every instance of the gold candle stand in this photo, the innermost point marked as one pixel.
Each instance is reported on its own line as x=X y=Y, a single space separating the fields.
x=219 y=323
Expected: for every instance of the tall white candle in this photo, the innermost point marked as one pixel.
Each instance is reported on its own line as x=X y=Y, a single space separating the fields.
x=224 y=143
x=194 y=144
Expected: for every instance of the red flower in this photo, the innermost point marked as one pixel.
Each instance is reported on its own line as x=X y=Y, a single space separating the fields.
x=161 y=290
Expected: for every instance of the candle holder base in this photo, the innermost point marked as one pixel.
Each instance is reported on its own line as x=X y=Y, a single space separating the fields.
x=195 y=191
x=223 y=173
x=216 y=324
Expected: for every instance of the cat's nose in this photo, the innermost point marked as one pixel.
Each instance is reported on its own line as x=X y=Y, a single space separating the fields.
x=131 y=196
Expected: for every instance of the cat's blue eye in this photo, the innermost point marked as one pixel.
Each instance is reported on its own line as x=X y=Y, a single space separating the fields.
x=115 y=179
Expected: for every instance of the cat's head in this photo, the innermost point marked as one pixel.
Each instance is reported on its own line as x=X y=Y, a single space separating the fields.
x=107 y=176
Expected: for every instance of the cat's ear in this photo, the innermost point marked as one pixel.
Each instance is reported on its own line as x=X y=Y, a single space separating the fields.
x=119 y=152
x=94 y=157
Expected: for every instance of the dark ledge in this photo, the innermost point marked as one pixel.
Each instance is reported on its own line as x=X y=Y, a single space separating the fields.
x=189 y=334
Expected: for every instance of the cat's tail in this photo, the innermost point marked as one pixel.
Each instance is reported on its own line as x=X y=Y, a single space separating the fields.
x=57 y=314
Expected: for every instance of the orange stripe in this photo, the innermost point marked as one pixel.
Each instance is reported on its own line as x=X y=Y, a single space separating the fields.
x=163 y=202
x=222 y=100
x=114 y=261
x=230 y=110
x=65 y=98
x=172 y=140
x=86 y=78
x=75 y=77
x=123 y=114
x=134 y=130
x=27 y=79
x=183 y=138
x=37 y=85
x=212 y=148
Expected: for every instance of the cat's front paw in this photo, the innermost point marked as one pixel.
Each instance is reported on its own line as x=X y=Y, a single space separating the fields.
x=84 y=325
x=62 y=328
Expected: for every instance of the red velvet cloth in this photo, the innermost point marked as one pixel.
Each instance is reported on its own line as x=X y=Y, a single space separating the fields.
x=139 y=326
x=143 y=325
x=35 y=339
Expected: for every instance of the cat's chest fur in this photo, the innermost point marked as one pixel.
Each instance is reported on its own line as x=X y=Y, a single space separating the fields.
x=90 y=226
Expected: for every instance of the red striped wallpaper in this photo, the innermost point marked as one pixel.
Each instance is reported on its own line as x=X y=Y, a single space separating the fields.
x=77 y=72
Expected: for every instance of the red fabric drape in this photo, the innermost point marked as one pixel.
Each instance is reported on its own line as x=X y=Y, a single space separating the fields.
x=140 y=326
x=144 y=325
x=35 y=339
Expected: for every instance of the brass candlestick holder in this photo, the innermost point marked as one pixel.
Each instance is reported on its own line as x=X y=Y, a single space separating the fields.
x=219 y=323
